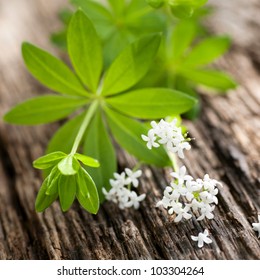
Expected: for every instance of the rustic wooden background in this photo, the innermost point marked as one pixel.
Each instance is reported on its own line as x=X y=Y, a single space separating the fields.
x=227 y=147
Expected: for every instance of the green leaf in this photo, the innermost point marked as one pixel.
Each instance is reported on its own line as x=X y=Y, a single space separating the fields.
x=53 y=181
x=211 y=78
x=117 y=6
x=155 y=3
x=114 y=45
x=60 y=39
x=131 y=65
x=88 y=161
x=185 y=85
x=94 y=10
x=69 y=165
x=137 y=7
x=207 y=51
x=43 y=109
x=65 y=15
x=98 y=145
x=185 y=8
x=99 y=15
x=51 y=71
x=68 y=132
x=85 y=50
x=67 y=191
x=43 y=201
x=182 y=11
x=87 y=194
x=183 y=34
x=49 y=160
x=152 y=103
x=127 y=133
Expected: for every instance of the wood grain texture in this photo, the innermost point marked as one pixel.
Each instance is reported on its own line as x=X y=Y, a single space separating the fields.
x=227 y=147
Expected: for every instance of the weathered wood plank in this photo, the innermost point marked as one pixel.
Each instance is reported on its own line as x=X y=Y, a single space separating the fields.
x=227 y=147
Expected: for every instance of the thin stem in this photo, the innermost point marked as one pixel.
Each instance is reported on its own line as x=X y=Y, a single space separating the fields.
x=84 y=125
x=174 y=162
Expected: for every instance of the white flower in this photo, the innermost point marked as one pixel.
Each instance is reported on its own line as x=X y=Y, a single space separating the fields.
x=109 y=195
x=180 y=176
x=121 y=195
x=210 y=183
x=205 y=210
x=201 y=238
x=201 y=198
x=178 y=189
x=195 y=204
x=120 y=180
x=132 y=176
x=179 y=149
x=135 y=200
x=167 y=134
x=207 y=197
x=182 y=213
x=150 y=139
x=256 y=226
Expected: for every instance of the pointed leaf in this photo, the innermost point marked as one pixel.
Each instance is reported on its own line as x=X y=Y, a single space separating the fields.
x=211 y=78
x=131 y=65
x=52 y=182
x=87 y=194
x=67 y=132
x=207 y=51
x=88 y=161
x=43 y=109
x=43 y=201
x=85 y=50
x=182 y=37
x=67 y=191
x=49 y=160
x=101 y=17
x=51 y=71
x=152 y=103
x=69 y=165
x=98 y=145
x=127 y=133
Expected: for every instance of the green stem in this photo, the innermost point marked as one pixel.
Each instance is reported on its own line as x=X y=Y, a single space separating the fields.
x=85 y=123
x=174 y=162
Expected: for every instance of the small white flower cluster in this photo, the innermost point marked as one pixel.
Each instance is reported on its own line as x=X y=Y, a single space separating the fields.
x=200 y=194
x=121 y=193
x=168 y=134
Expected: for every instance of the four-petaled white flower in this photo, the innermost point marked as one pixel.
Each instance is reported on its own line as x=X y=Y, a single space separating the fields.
x=150 y=139
x=135 y=200
x=201 y=238
x=256 y=226
x=120 y=180
x=132 y=176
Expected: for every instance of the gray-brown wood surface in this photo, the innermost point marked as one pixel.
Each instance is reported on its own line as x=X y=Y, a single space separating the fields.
x=227 y=147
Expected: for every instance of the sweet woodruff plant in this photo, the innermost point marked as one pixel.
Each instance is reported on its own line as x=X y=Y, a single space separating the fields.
x=123 y=76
